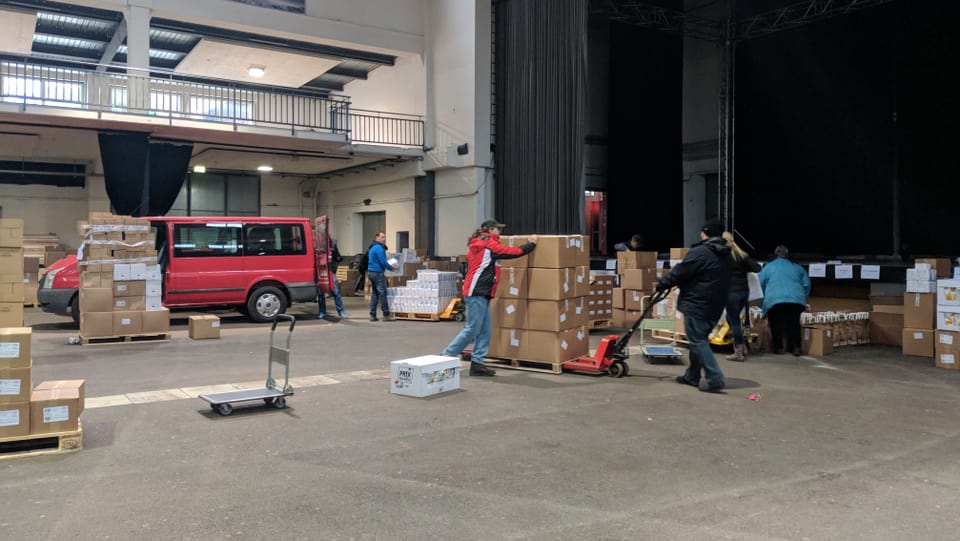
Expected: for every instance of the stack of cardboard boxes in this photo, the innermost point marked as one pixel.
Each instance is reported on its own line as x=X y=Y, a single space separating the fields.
x=947 y=319
x=540 y=310
x=430 y=293
x=11 y=272
x=121 y=282
x=52 y=407
x=638 y=278
x=600 y=300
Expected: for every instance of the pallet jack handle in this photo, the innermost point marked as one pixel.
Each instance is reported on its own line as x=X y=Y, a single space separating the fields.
x=655 y=298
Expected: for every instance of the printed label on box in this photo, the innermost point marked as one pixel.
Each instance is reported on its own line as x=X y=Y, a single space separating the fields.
x=215 y=324
x=56 y=414
x=510 y=309
x=946 y=339
x=9 y=418
x=124 y=321
x=514 y=291
x=9 y=386
x=9 y=350
x=563 y=344
x=947 y=358
x=918 y=336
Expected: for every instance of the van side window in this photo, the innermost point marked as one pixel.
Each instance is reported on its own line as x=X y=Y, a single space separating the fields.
x=206 y=240
x=274 y=239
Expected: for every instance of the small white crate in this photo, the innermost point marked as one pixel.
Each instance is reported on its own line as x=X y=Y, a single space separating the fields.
x=424 y=376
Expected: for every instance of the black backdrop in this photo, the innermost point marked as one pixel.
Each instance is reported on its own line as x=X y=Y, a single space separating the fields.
x=131 y=162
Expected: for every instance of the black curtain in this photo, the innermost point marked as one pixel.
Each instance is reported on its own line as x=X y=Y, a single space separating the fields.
x=142 y=178
x=541 y=77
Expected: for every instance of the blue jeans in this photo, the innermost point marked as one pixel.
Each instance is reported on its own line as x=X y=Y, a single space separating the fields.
x=378 y=286
x=701 y=356
x=476 y=330
x=736 y=302
x=337 y=299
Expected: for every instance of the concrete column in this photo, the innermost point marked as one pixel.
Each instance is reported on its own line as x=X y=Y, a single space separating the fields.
x=137 y=14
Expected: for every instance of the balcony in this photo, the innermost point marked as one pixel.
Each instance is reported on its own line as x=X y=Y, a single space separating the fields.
x=171 y=99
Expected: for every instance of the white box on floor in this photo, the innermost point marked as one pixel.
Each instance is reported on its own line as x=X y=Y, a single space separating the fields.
x=424 y=376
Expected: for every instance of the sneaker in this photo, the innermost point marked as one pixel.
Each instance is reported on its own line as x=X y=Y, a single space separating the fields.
x=343 y=315
x=477 y=369
x=684 y=381
x=374 y=318
x=322 y=316
x=389 y=317
x=796 y=351
x=738 y=356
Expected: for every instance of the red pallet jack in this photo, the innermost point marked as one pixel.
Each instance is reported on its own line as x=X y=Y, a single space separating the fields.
x=613 y=351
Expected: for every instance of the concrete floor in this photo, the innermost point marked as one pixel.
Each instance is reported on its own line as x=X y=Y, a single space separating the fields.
x=861 y=444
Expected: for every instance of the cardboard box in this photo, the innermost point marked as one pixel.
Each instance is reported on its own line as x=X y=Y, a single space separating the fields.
x=918 y=310
x=130 y=304
x=54 y=410
x=886 y=329
x=947 y=350
x=15 y=348
x=947 y=339
x=11 y=261
x=552 y=284
x=15 y=420
x=203 y=327
x=942 y=266
x=96 y=300
x=153 y=288
x=127 y=323
x=948 y=293
x=77 y=384
x=679 y=253
x=424 y=376
x=130 y=288
x=948 y=318
x=96 y=324
x=14 y=385
x=156 y=321
x=11 y=232
x=559 y=251
x=11 y=314
x=510 y=342
x=816 y=340
x=493 y=347
x=618 y=297
x=556 y=315
x=12 y=291
x=639 y=279
x=919 y=342
x=513 y=283
x=509 y=313
x=556 y=347
x=633 y=300
x=635 y=260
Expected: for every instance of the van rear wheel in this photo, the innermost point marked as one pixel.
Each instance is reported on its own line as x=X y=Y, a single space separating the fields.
x=265 y=303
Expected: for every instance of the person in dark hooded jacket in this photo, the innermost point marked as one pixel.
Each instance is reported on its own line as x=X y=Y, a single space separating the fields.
x=703 y=278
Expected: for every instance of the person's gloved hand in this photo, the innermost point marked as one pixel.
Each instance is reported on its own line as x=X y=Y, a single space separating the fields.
x=660 y=287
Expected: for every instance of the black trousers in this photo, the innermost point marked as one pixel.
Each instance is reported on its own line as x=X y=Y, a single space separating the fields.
x=360 y=281
x=784 y=319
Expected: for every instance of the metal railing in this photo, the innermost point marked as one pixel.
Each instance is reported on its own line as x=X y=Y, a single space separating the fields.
x=180 y=100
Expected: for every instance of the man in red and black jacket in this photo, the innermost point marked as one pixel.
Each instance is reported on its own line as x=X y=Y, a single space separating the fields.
x=479 y=286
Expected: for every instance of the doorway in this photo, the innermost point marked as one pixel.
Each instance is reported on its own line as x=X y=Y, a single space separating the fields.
x=373 y=223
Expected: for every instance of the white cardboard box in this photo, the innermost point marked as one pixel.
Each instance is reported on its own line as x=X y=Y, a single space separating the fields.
x=948 y=318
x=948 y=293
x=424 y=376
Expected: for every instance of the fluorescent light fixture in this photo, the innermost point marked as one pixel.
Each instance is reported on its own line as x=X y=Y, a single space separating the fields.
x=265 y=168
x=199 y=169
x=256 y=70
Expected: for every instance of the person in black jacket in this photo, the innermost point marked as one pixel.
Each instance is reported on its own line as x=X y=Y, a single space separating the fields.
x=703 y=278
x=739 y=294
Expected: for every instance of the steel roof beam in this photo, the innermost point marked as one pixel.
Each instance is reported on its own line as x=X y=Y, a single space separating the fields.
x=799 y=14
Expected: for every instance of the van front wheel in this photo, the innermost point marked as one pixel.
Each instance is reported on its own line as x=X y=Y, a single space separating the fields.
x=265 y=303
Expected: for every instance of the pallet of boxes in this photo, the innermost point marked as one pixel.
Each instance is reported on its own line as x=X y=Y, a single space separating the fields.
x=600 y=299
x=120 y=283
x=425 y=297
x=37 y=420
x=539 y=315
x=946 y=317
x=638 y=276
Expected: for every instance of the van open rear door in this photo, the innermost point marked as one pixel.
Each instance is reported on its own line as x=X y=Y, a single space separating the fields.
x=326 y=274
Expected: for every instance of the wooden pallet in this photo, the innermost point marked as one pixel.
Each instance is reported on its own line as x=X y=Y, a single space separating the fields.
x=548 y=367
x=601 y=323
x=416 y=316
x=127 y=339
x=42 y=444
x=666 y=334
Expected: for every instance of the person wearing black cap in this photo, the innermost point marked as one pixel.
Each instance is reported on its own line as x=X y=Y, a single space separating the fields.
x=479 y=286
x=635 y=243
x=703 y=277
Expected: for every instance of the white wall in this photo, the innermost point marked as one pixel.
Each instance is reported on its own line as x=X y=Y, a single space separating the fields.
x=399 y=89
x=282 y=196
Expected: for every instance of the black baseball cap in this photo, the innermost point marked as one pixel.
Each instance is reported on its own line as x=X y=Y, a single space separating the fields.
x=712 y=229
x=490 y=224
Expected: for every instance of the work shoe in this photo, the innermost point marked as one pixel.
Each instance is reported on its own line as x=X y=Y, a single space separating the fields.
x=343 y=315
x=714 y=387
x=322 y=315
x=477 y=369
x=796 y=351
x=374 y=318
x=389 y=317
x=684 y=381
x=737 y=354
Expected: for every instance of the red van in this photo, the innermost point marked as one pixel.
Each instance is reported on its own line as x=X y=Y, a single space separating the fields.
x=260 y=265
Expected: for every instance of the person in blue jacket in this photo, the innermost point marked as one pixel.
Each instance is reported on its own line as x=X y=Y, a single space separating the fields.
x=786 y=286
x=377 y=264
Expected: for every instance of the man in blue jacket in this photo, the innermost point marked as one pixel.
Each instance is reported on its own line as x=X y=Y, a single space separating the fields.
x=703 y=278
x=377 y=264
